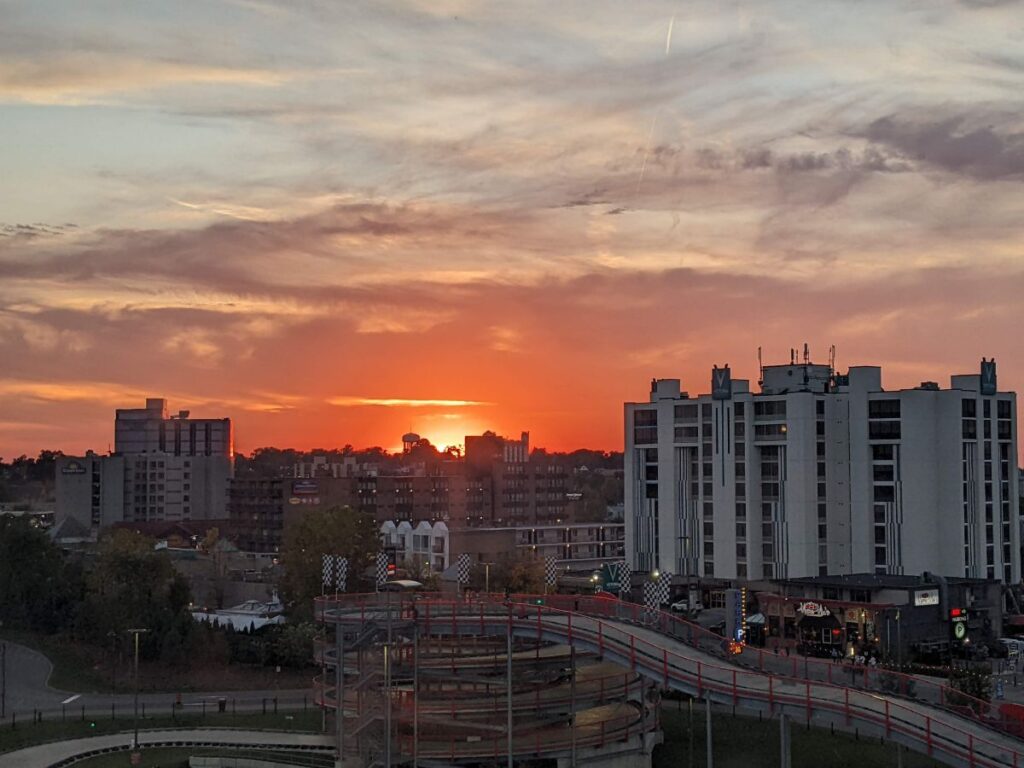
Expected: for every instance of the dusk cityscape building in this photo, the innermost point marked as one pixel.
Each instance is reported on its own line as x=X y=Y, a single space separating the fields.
x=824 y=473
x=163 y=467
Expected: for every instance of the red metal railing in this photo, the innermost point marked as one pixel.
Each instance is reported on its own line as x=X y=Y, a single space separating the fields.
x=940 y=730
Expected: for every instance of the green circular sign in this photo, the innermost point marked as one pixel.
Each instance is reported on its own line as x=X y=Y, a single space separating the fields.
x=959 y=630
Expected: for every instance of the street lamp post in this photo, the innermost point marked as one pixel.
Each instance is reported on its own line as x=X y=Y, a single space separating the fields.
x=135 y=633
x=3 y=680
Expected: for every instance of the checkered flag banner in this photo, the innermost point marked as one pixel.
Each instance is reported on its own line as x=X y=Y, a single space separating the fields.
x=656 y=593
x=624 y=574
x=342 y=582
x=382 y=568
x=462 y=565
x=550 y=571
x=328 y=570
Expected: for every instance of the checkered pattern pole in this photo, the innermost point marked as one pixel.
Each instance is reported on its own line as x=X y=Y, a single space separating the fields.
x=656 y=593
x=382 y=568
x=462 y=569
x=624 y=574
x=342 y=574
x=328 y=579
x=550 y=572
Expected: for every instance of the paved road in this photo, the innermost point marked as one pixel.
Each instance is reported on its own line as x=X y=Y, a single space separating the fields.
x=46 y=755
x=28 y=672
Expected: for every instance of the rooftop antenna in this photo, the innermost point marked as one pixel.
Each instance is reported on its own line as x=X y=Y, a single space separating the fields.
x=832 y=359
x=760 y=369
x=807 y=353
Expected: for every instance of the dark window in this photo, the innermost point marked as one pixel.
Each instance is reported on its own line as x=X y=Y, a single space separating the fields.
x=643 y=435
x=645 y=418
x=686 y=412
x=884 y=430
x=1003 y=410
x=970 y=429
x=652 y=490
x=769 y=408
x=741 y=510
x=884 y=493
x=968 y=408
x=651 y=471
x=819 y=407
x=883 y=409
x=738 y=407
x=987 y=408
x=879 y=535
x=884 y=472
x=882 y=452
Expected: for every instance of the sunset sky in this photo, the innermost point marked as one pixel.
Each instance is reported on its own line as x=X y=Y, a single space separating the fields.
x=338 y=221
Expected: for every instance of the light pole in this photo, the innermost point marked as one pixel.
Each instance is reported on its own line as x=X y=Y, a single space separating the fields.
x=135 y=633
x=3 y=680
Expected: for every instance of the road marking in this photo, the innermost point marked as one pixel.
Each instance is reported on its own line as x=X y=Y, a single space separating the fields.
x=70 y=699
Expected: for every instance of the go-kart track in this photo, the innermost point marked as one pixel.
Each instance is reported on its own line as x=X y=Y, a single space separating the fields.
x=612 y=706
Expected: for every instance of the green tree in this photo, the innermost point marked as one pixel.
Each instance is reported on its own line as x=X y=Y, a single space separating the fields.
x=131 y=585
x=521 y=575
x=36 y=585
x=334 y=531
x=293 y=645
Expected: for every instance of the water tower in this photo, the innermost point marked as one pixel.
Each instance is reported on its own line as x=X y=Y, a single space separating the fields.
x=409 y=440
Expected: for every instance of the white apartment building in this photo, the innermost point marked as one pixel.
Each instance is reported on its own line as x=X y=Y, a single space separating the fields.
x=821 y=473
x=163 y=468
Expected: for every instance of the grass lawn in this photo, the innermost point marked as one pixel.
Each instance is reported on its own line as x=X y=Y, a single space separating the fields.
x=79 y=668
x=745 y=742
x=26 y=735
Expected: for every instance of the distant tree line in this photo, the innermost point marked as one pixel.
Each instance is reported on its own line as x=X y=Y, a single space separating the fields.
x=29 y=480
x=93 y=599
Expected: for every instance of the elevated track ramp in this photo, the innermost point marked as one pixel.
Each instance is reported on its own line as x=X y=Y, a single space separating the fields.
x=927 y=717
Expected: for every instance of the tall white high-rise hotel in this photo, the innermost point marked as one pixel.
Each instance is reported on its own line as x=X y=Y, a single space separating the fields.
x=822 y=473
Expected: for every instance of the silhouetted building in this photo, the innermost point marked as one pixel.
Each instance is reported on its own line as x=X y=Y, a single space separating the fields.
x=163 y=468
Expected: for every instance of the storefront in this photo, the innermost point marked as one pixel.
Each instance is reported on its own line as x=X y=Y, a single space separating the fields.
x=825 y=628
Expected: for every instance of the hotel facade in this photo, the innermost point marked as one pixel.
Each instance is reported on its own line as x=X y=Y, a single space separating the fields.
x=820 y=473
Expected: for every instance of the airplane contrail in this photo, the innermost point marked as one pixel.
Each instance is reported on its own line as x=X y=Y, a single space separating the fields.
x=668 y=37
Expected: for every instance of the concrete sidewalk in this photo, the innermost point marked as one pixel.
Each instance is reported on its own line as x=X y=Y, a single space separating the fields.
x=45 y=755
